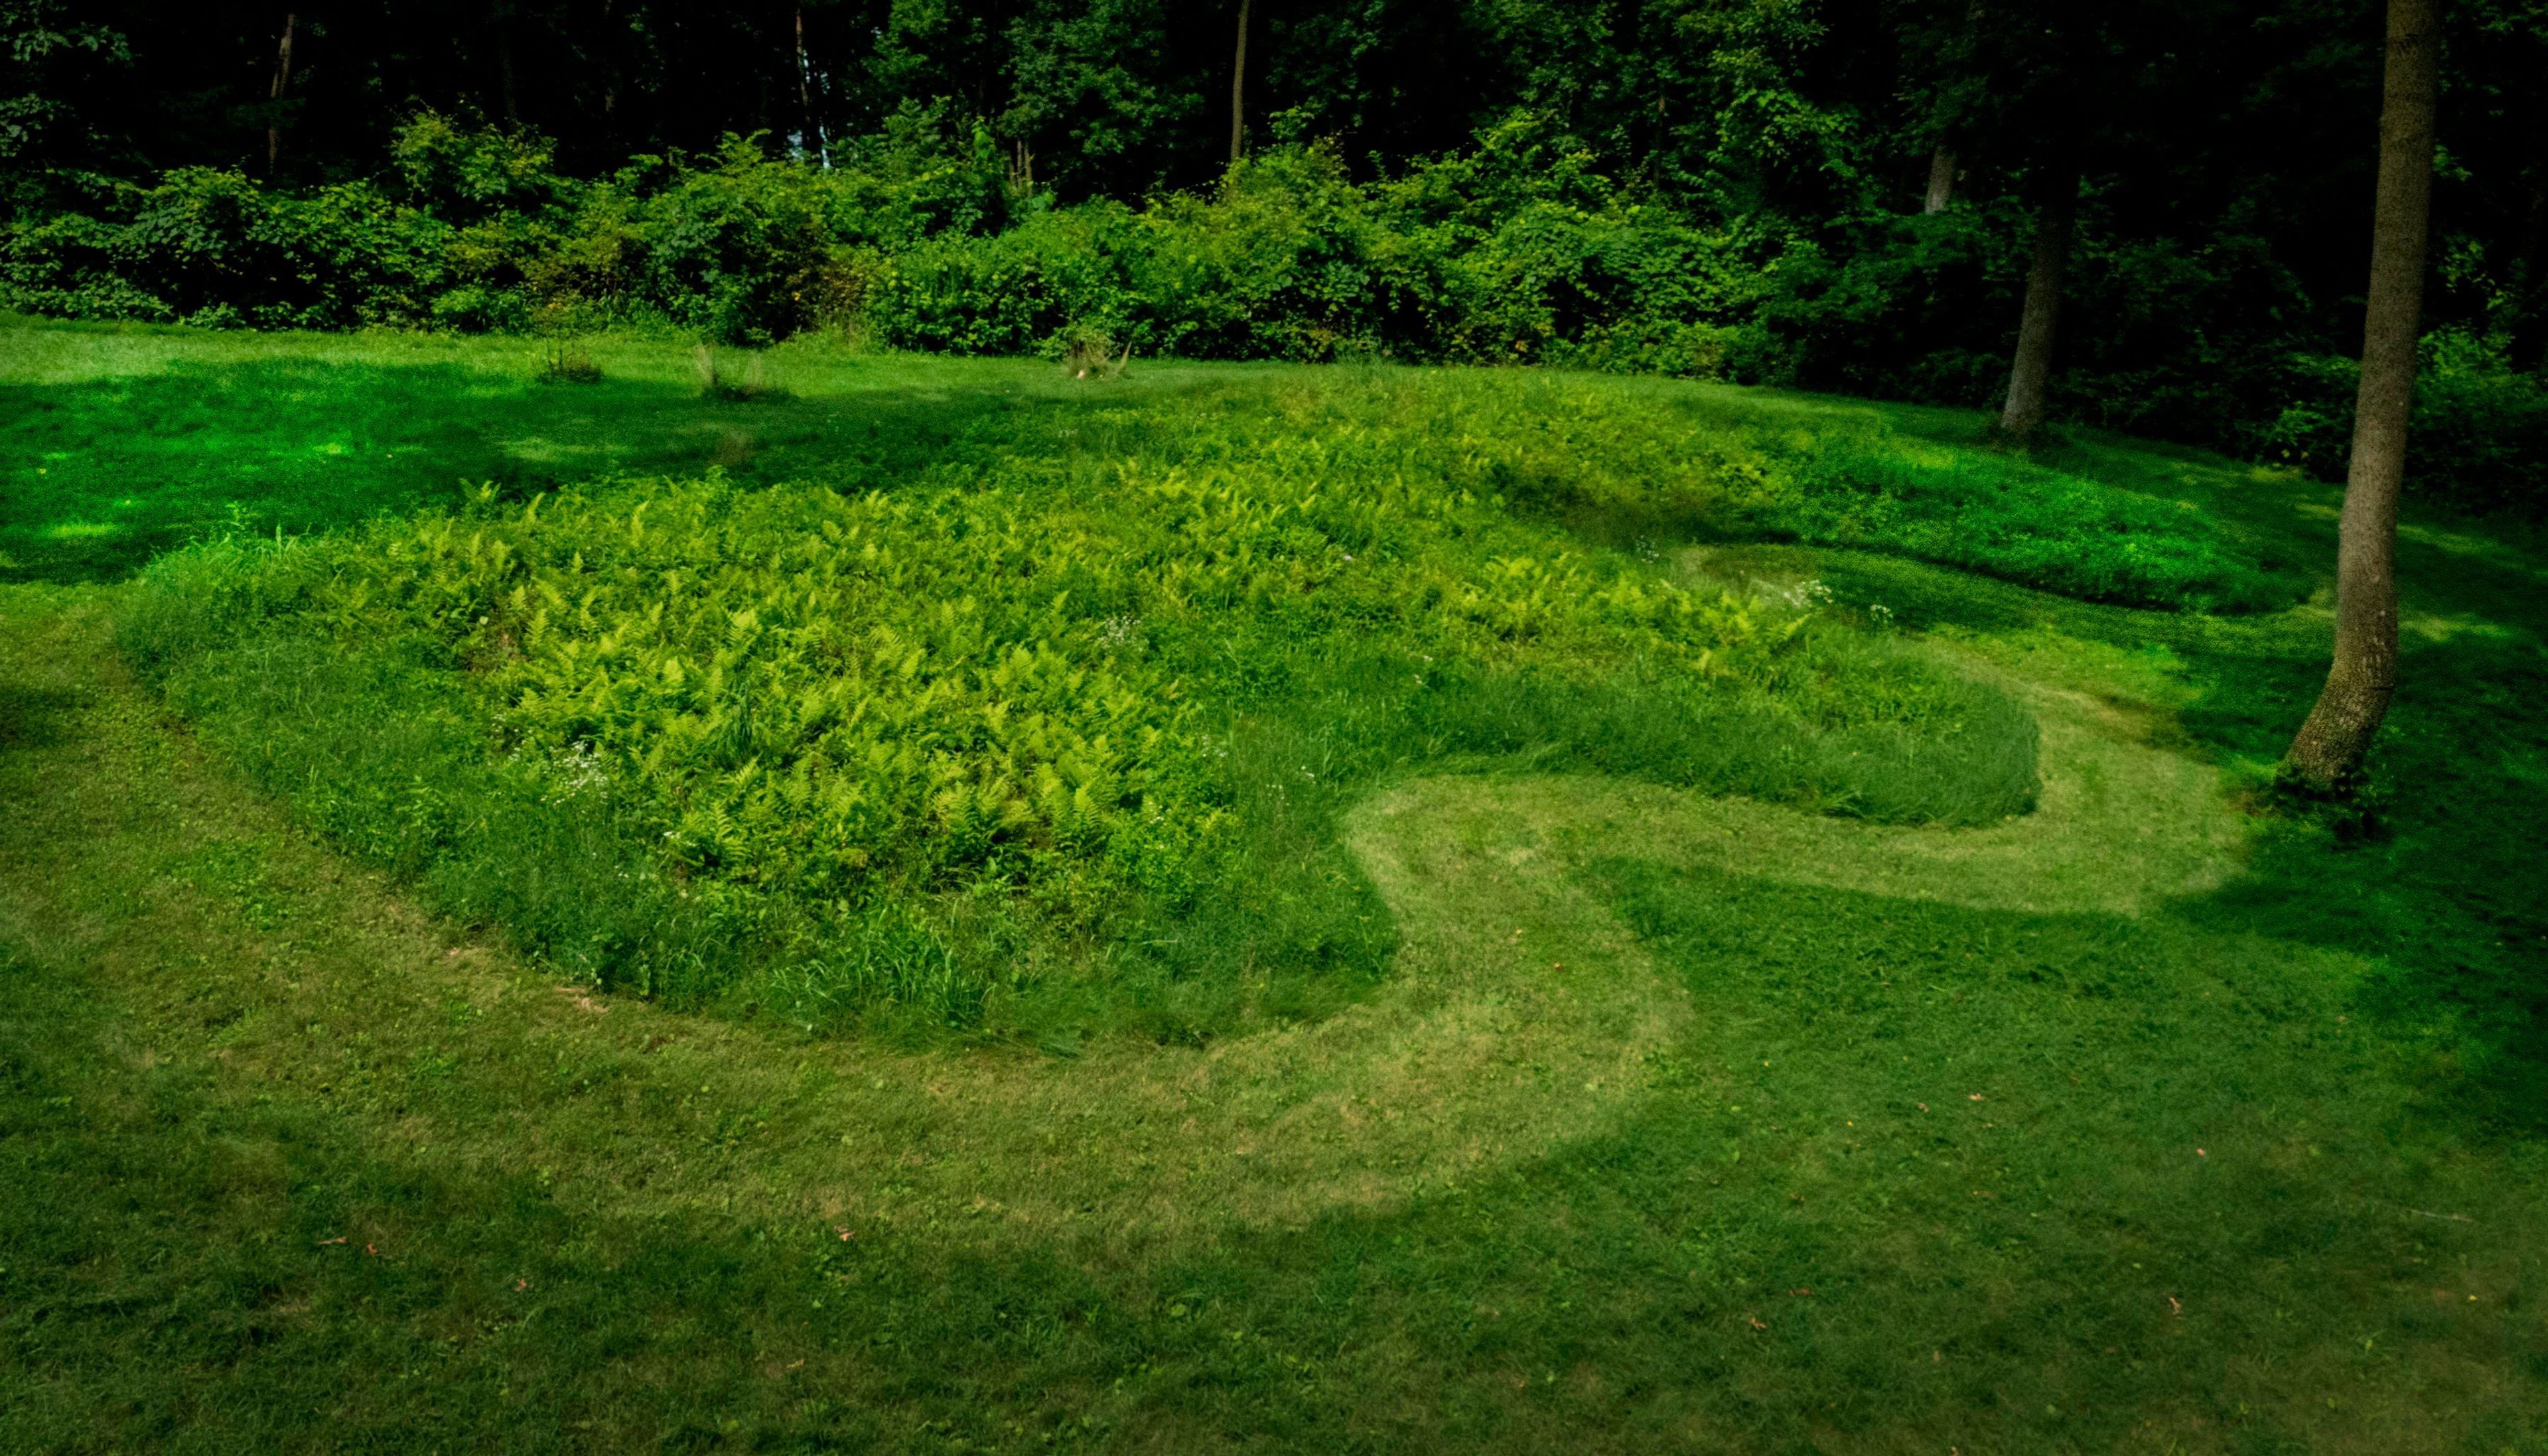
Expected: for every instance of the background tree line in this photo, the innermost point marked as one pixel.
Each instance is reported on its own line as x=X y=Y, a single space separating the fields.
x=1844 y=194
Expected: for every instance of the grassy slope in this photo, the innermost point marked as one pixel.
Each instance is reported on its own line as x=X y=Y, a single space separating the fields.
x=1650 y=1066
x=1313 y=560
x=308 y=432
x=119 y=442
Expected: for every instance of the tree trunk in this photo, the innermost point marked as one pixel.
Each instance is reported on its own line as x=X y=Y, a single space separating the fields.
x=2033 y=365
x=813 y=134
x=1942 y=180
x=503 y=16
x=2327 y=754
x=282 y=78
x=1238 y=88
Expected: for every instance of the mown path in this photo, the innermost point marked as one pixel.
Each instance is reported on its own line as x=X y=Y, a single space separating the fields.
x=2138 y=1123
x=292 y=1166
x=1521 y=1016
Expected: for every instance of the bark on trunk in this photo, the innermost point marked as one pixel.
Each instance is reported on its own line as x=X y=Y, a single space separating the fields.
x=1942 y=180
x=1238 y=88
x=282 y=78
x=2032 y=368
x=813 y=134
x=504 y=61
x=2327 y=754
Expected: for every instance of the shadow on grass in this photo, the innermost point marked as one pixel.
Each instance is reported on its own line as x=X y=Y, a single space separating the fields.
x=1813 y=1232
x=98 y=476
x=32 y=717
x=2447 y=898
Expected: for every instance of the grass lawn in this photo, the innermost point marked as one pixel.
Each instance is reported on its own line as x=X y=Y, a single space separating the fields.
x=1622 y=1114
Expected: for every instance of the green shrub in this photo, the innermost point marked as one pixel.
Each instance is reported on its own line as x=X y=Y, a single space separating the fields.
x=1498 y=257
x=1518 y=249
x=66 y=265
x=482 y=234
x=464 y=173
x=742 y=252
x=2478 y=438
x=216 y=247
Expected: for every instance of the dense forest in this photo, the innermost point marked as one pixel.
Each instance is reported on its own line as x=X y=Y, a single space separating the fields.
x=1833 y=194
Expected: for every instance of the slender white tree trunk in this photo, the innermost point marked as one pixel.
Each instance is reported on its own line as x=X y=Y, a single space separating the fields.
x=282 y=79
x=1942 y=180
x=1238 y=88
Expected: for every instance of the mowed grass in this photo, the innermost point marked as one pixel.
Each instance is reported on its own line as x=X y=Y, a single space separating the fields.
x=2231 y=1138
x=121 y=441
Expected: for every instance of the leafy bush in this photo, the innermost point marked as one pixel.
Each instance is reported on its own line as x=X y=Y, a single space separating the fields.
x=2478 y=438
x=465 y=174
x=1503 y=257
x=482 y=234
x=1515 y=250
x=215 y=247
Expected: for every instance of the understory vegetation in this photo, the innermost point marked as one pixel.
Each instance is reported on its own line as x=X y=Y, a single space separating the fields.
x=1518 y=249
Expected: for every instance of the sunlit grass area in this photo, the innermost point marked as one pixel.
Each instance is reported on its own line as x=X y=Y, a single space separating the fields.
x=123 y=441
x=1613 y=1055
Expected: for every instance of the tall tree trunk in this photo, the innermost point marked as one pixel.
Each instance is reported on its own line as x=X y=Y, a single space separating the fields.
x=504 y=18
x=2032 y=369
x=1238 y=88
x=282 y=78
x=1942 y=180
x=610 y=64
x=2327 y=754
x=2529 y=347
x=813 y=134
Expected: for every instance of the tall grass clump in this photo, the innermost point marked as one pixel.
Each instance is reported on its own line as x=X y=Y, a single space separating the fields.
x=566 y=361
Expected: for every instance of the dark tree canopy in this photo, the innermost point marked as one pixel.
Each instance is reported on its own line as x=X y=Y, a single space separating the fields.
x=2206 y=124
x=2221 y=155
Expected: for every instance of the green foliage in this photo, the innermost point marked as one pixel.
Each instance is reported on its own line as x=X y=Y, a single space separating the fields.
x=483 y=235
x=46 y=57
x=2305 y=1104
x=1515 y=253
x=739 y=252
x=1520 y=249
x=466 y=173
x=216 y=249
x=2476 y=440
x=1112 y=676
